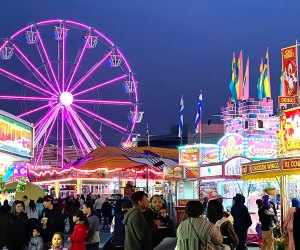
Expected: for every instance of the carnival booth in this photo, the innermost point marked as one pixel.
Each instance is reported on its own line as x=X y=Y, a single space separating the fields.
x=16 y=151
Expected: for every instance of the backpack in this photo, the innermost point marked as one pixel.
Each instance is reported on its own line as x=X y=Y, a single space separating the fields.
x=227 y=237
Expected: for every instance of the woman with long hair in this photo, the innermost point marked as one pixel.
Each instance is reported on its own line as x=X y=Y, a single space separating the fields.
x=32 y=215
x=80 y=231
x=17 y=233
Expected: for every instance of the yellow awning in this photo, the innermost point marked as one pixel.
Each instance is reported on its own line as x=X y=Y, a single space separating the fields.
x=270 y=175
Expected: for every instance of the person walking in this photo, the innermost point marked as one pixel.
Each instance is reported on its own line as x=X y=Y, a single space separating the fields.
x=266 y=217
x=32 y=215
x=137 y=233
x=5 y=208
x=17 y=233
x=106 y=213
x=79 y=235
x=98 y=206
x=93 y=237
x=288 y=224
x=242 y=220
x=195 y=232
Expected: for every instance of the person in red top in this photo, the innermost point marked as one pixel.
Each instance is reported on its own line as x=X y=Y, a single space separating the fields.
x=79 y=235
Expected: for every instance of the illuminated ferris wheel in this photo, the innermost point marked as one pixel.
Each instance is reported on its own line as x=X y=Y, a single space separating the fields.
x=72 y=82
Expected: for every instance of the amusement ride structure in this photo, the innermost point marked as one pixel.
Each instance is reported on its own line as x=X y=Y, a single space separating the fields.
x=69 y=85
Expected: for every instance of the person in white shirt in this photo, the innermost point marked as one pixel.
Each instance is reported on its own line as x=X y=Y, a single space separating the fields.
x=98 y=206
x=32 y=215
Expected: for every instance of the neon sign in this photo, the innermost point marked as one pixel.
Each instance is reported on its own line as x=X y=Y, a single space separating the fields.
x=261 y=149
x=230 y=145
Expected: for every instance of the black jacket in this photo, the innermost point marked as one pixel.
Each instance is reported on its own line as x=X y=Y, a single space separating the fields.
x=17 y=234
x=241 y=216
x=119 y=230
x=265 y=218
x=2 y=230
x=56 y=223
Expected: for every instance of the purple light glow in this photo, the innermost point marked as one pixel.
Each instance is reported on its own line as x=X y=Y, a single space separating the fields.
x=3 y=45
x=103 y=102
x=101 y=118
x=47 y=58
x=101 y=85
x=62 y=137
x=45 y=141
x=91 y=71
x=97 y=32
x=34 y=68
x=34 y=110
x=64 y=58
x=20 y=31
x=48 y=114
x=78 y=63
x=17 y=78
x=75 y=131
x=25 y=98
x=93 y=133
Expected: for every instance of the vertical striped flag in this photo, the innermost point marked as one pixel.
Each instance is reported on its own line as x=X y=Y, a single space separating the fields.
x=180 y=131
x=198 y=116
x=239 y=85
x=266 y=77
x=246 y=82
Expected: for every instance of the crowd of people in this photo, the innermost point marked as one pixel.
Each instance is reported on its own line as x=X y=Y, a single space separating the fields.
x=139 y=224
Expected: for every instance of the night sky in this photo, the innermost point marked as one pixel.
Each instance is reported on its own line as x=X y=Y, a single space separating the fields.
x=176 y=46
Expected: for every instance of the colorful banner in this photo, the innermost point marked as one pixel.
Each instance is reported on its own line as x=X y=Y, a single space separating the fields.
x=230 y=145
x=265 y=166
x=291 y=164
x=173 y=173
x=289 y=133
x=192 y=172
x=261 y=149
x=290 y=71
x=15 y=137
x=189 y=155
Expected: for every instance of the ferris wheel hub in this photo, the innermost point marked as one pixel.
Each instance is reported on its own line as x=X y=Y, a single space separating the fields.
x=66 y=98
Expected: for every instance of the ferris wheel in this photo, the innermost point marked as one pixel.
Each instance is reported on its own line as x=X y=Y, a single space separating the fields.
x=72 y=82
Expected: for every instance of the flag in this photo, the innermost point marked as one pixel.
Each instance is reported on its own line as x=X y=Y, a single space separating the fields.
x=266 y=77
x=180 y=131
x=239 y=84
x=259 y=81
x=198 y=116
x=246 y=82
x=233 y=81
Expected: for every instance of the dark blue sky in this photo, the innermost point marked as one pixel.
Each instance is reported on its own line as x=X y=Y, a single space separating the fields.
x=177 y=46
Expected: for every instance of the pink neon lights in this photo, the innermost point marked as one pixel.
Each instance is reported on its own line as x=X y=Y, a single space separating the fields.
x=103 y=102
x=62 y=137
x=47 y=58
x=91 y=71
x=101 y=85
x=34 y=68
x=17 y=78
x=101 y=118
x=79 y=61
x=34 y=110
x=25 y=98
x=64 y=57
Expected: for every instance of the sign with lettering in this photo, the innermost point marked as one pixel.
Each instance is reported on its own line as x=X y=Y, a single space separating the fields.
x=245 y=169
x=265 y=166
x=290 y=164
x=261 y=149
x=189 y=155
x=234 y=166
x=230 y=145
x=211 y=171
x=288 y=100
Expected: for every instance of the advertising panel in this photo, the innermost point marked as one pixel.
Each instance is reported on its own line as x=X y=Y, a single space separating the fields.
x=230 y=145
x=15 y=137
x=209 y=154
x=211 y=171
x=233 y=167
x=191 y=172
x=173 y=173
x=289 y=133
x=289 y=71
x=189 y=155
x=265 y=166
x=261 y=149
x=291 y=164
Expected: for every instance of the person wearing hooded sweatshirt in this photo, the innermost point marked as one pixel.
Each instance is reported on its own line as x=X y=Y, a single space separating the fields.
x=288 y=224
x=79 y=234
x=266 y=217
x=137 y=233
x=242 y=220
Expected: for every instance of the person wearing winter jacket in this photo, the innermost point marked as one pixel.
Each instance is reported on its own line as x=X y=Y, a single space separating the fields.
x=79 y=235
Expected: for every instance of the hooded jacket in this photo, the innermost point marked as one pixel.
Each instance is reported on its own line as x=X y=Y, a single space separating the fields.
x=240 y=213
x=137 y=234
x=78 y=237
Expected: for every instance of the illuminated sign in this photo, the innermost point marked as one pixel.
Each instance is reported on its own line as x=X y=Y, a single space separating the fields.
x=265 y=166
x=210 y=171
x=230 y=145
x=189 y=155
x=15 y=137
x=191 y=172
x=245 y=169
x=289 y=133
x=290 y=164
x=261 y=149
x=287 y=100
x=173 y=173
x=234 y=166
x=209 y=154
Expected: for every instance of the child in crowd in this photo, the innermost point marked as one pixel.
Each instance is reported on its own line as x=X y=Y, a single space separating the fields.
x=36 y=242
x=167 y=222
x=80 y=231
x=58 y=242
